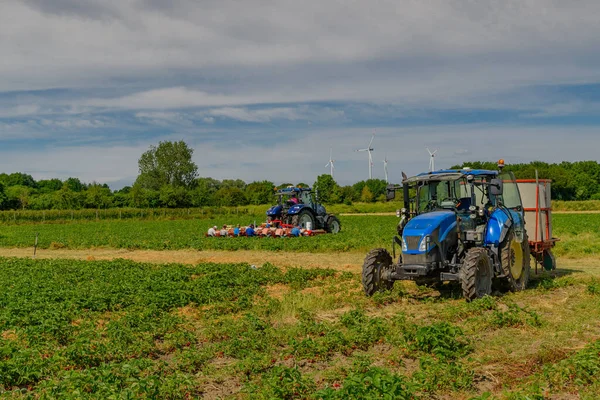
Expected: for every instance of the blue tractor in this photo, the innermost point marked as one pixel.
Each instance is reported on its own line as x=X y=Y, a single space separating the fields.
x=298 y=206
x=456 y=225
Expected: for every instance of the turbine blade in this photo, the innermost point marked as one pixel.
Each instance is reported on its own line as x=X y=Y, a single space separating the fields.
x=372 y=137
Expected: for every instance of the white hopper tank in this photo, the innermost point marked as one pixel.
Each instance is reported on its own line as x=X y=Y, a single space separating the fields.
x=537 y=204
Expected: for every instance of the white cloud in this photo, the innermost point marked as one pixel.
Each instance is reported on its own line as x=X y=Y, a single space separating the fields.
x=232 y=53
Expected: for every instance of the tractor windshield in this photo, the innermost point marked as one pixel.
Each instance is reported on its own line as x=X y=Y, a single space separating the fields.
x=434 y=195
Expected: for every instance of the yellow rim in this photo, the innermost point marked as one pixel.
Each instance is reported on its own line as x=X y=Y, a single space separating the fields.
x=516 y=259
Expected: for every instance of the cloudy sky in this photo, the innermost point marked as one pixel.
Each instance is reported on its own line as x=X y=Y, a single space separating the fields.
x=263 y=89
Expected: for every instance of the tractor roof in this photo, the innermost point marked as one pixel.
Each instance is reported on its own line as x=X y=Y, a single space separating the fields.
x=290 y=190
x=450 y=175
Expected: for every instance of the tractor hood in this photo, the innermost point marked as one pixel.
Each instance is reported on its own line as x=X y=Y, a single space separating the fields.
x=275 y=210
x=437 y=225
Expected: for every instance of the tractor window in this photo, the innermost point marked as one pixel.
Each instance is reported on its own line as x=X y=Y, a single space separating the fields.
x=439 y=195
x=305 y=198
x=511 y=197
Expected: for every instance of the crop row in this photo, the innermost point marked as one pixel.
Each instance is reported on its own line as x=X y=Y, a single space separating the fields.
x=119 y=329
x=358 y=233
x=579 y=235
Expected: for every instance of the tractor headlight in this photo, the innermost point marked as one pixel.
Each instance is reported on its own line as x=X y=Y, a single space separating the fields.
x=424 y=245
x=404 y=246
x=398 y=213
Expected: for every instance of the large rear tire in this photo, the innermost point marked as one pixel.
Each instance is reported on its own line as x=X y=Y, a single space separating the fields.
x=515 y=261
x=333 y=224
x=302 y=218
x=376 y=262
x=476 y=274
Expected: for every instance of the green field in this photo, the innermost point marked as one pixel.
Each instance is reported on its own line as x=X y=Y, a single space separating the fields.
x=579 y=234
x=122 y=329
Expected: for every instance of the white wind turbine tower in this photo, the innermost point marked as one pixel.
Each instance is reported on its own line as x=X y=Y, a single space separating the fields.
x=330 y=163
x=369 y=149
x=431 y=160
x=385 y=169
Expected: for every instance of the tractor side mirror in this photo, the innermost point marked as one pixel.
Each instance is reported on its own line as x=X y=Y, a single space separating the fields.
x=390 y=193
x=496 y=187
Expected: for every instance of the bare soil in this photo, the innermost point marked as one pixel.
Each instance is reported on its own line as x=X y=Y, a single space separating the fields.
x=350 y=261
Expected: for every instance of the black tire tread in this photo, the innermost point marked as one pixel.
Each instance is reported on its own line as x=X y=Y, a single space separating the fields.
x=369 y=272
x=468 y=272
x=296 y=218
x=329 y=221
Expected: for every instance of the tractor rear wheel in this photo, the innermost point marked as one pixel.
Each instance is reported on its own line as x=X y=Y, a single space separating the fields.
x=476 y=274
x=302 y=218
x=515 y=261
x=376 y=262
x=332 y=224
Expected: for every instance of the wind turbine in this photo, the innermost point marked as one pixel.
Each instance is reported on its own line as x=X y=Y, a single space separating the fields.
x=330 y=163
x=369 y=149
x=431 y=159
x=385 y=163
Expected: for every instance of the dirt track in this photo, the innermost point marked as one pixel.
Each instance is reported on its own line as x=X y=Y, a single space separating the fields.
x=340 y=261
x=348 y=261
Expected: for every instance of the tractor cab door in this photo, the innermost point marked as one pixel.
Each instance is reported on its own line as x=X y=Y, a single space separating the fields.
x=306 y=198
x=510 y=197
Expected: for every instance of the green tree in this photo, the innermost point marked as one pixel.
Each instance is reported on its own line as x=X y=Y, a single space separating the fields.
x=169 y=163
x=64 y=198
x=366 y=195
x=49 y=185
x=3 y=197
x=203 y=193
x=97 y=196
x=19 y=196
x=74 y=184
x=377 y=187
x=137 y=196
x=230 y=196
x=173 y=196
x=260 y=192
x=236 y=183
x=357 y=188
x=327 y=188
x=20 y=179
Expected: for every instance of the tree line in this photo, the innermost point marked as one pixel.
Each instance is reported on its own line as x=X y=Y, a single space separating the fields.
x=579 y=180
x=169 y=178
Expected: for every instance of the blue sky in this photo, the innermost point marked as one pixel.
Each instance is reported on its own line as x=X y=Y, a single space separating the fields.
x=263 y=89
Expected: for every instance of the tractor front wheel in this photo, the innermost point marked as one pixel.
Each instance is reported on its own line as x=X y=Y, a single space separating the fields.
x=303 y=218
x=515 y=261
x=476 y=274
x=332 y=224
x=376 y=263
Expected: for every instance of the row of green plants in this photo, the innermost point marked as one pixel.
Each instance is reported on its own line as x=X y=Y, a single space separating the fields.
x=119 y=329
x=579 y=235
x=358 y=233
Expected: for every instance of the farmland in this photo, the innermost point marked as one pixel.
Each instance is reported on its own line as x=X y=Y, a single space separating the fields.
x=579 y=233
x=285 y=328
